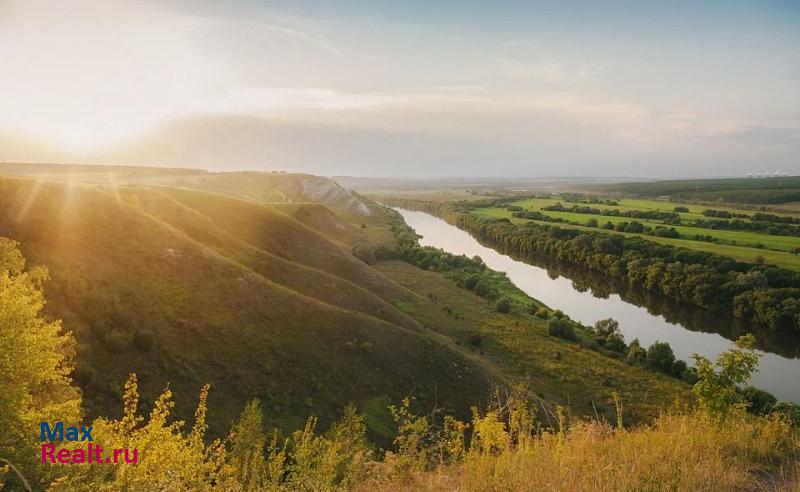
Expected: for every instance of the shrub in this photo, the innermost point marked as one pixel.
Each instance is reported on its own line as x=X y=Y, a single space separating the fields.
x=760 y=402
x=717 y=382
x=143 y=340
x=503 y=306
x=543 y=312
x=482 y=288
x=678 y=367
x=471 y=281
x=615 y=342
x=476 y=340
x=561 y=328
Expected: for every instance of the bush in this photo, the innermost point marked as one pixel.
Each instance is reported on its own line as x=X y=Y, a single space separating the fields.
x=661 y=357
x=482 y=288
x=476 y=340
x=143 y=340
x=561 y=328
x=615 y=342
x=542 y=312
x=678 y=367
x=471 y=281
x=681 y=209
x=503 y=306
x=760 y=402
x=689 y=375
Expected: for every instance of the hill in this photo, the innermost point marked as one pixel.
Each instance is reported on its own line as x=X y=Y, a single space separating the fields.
x=187 y=288
x=269 y=301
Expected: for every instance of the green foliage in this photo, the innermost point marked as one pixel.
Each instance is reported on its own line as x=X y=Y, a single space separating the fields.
x=705 y=279
x=716 y=386
x=503 y=306
x=561 y=328
x=636 y=353
x=543 y=313
x=759 y=401
x=247 y=448
x=660 y=356
x=606 y=327
x=35 y=363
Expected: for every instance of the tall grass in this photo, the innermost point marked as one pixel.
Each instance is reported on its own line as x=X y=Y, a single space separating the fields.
x=679 y=451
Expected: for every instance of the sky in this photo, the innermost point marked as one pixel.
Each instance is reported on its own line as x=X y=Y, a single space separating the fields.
x=406 y=89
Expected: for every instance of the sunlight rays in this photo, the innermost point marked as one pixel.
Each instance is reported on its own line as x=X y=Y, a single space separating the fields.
x=32 y=196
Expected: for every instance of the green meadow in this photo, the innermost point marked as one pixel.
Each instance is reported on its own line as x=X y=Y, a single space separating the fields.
x=749 y=246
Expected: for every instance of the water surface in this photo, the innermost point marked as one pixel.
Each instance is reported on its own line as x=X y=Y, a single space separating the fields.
x=778 y=374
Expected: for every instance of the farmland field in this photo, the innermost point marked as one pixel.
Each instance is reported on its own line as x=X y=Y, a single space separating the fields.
x=742 y=245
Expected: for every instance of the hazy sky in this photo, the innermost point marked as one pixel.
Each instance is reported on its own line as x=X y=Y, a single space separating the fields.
x=413 y=88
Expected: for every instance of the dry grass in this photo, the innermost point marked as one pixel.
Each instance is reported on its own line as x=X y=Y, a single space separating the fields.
x=677 y=452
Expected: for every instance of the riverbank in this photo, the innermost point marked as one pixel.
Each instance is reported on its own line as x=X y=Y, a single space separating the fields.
x=778 y=374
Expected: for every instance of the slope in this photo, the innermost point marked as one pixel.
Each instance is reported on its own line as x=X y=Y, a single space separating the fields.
x=145 y=293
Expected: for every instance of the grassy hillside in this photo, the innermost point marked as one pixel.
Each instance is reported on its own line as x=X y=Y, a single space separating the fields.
x=553 y=370
x=187 y=288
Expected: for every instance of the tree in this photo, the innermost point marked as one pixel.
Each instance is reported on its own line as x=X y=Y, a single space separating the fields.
x=35 y=363
x=660 y=356
x=716 y=386
x=606 y=327
x=635 y=352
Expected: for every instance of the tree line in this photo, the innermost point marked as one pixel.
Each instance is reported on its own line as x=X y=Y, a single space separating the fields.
x=766 y=295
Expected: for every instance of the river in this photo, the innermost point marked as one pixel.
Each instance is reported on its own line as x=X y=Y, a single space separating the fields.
x=778 y=374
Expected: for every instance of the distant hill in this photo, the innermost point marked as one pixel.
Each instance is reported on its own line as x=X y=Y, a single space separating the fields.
x=260 y=187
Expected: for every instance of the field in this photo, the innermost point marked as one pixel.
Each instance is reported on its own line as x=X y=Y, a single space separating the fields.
x=778 y=191
x=742 y=245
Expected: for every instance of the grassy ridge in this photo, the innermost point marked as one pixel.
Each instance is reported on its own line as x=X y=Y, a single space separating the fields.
x=183 y=300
